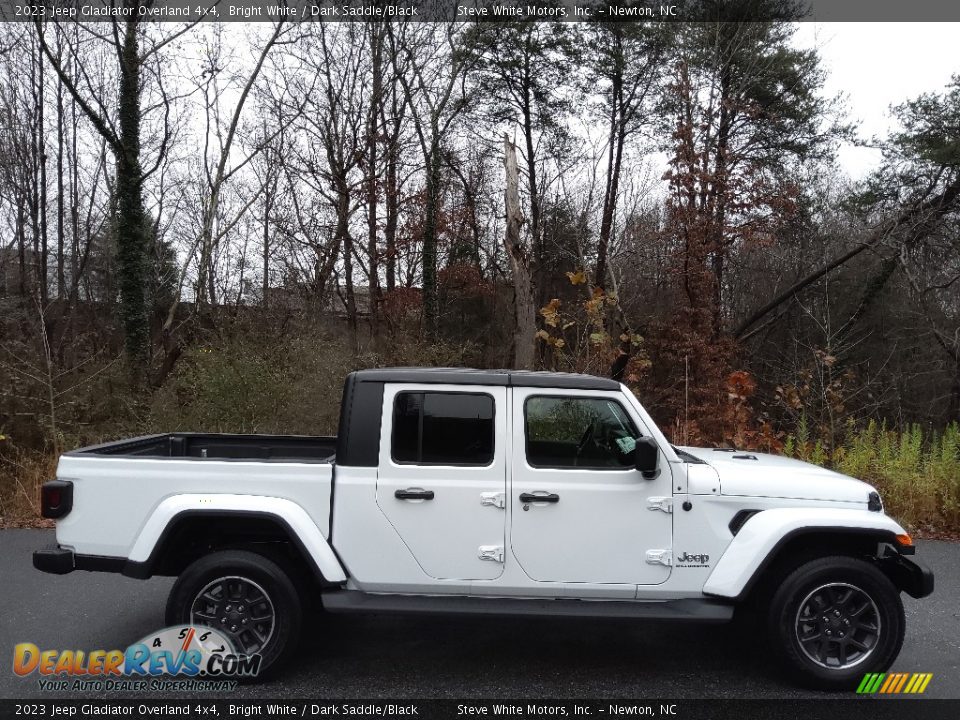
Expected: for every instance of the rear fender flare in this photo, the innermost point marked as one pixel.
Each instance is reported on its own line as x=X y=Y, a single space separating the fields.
x=299 y=525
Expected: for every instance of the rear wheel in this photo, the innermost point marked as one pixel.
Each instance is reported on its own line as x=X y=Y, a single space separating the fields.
x=833 y=620
x=244 y=596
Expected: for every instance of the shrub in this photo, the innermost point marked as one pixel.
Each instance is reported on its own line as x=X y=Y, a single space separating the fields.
x=290 y=386
x=917 y=472
x=22 y=472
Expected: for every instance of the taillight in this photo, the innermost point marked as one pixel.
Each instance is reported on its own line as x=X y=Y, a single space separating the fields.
x=56 y=498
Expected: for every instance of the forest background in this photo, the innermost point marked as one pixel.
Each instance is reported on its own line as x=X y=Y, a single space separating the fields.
x=205 y=227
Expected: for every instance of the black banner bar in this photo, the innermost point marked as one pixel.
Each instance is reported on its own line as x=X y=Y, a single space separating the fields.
x=856 y=708
x=480 y=10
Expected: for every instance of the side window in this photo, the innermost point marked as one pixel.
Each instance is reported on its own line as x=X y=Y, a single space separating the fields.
x=435 y=428
x=564 y=432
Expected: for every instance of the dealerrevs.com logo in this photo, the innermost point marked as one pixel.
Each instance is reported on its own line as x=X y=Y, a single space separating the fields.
x=184 y=657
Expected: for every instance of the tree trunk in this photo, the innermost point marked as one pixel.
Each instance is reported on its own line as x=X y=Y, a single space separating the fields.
x=373 y=132
x=523 y=338
x=74 y=208
x=535 y=239
x=721 y=191
x=345 y=241
x=61 y=209
x=391 y=199
x=392 y=207
x=430 y=309
x=612 y=186
x=42 y=207
x=130 y=220
x=33 y=190
x=21 y=252
x=270 y=189
x=127 y=212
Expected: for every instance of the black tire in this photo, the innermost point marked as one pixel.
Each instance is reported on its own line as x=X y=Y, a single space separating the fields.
x=246 y=573
x=835 y=619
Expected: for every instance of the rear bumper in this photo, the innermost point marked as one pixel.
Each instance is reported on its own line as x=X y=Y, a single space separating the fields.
x=60 y=561
x=54 y=559
x=909 y=574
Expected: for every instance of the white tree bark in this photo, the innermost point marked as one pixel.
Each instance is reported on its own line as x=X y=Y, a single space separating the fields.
x=524 y=335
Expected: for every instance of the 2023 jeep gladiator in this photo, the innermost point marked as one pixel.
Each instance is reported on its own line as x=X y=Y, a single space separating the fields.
x=466 y=491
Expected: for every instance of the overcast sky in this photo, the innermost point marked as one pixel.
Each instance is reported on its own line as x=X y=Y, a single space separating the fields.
x=879 y=64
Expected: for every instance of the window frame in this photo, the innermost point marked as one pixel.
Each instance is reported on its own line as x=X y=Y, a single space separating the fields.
x=592 y=468
x=413 y=463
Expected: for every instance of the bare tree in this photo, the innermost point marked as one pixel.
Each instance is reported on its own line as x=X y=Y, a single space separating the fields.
x=431 y=66
x=222 y=128
x=628 y=59
x=120 y=125
x=523 y=338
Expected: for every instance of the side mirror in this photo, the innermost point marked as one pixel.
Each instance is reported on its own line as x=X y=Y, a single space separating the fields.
x=645 y=457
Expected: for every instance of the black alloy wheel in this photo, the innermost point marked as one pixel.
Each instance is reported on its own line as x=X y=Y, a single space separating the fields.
x=246 y=597
x=239 y=608
x=834 y=619
x=838 y=625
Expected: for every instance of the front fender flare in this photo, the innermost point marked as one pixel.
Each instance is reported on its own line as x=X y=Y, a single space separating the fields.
x=757 y=542
x=302 y=529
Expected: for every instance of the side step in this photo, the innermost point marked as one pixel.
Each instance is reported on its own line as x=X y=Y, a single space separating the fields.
x=352 y=601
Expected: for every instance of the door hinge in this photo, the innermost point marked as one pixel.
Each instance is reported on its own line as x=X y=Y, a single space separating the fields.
x=493 y=553
x=496 y=499
x=659 y=557
x=660 y=503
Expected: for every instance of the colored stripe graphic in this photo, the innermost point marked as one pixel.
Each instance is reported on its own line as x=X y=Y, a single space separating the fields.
x=894 y=683
x=901 y=682
x=887 y=683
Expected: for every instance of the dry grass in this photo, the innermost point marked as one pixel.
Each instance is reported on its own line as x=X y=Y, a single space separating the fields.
x=244 y=385
x=243 y=388
x=916 y=471
x=22 y=472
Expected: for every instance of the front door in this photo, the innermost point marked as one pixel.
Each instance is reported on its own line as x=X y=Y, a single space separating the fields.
x=442 y=476
x=580 y=510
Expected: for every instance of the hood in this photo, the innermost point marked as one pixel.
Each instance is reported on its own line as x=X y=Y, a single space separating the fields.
x=762 y=475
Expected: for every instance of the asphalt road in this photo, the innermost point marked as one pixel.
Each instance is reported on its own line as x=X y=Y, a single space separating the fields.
x=344 y=657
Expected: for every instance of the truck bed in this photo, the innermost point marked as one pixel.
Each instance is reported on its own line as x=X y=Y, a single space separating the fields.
x=300 y=448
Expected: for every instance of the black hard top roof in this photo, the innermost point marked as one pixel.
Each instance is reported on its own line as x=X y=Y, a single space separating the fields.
x=469 y=376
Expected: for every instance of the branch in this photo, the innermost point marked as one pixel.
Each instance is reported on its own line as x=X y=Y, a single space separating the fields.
x=940 y=204
x=99 y=123
x=238 y=110
x=170 y=38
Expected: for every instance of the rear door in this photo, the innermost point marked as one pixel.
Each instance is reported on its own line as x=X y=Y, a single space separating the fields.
x=442 y=476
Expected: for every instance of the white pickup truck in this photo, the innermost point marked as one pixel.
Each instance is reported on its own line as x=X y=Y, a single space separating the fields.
x=468 y=491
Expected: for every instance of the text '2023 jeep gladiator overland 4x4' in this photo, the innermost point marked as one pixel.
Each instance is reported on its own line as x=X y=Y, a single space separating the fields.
x=468 y=491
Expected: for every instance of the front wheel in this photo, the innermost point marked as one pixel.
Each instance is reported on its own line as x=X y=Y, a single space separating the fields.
x=244 y=596
x=835 y=619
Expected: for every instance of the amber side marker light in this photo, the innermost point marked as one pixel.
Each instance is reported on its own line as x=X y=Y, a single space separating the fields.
x=905 y=540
